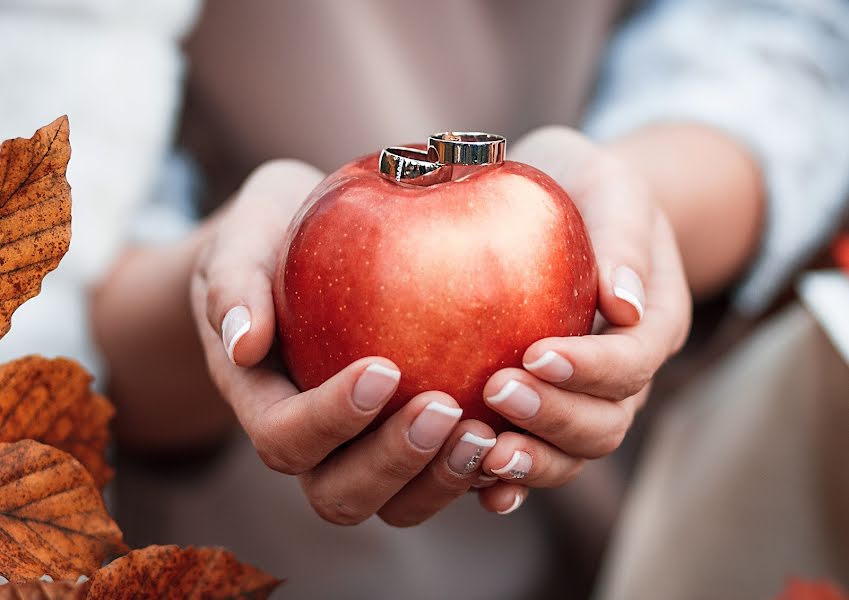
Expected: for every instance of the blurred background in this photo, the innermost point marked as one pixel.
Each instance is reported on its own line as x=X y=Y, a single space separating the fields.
x=733 y=478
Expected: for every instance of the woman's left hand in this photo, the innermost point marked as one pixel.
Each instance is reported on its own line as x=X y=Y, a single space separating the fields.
x=577 y=396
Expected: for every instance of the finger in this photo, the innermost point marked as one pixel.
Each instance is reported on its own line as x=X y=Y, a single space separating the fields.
x=293 y=431
x=356 y=482
x=579 y=424
x=530 y=461
x=446 y=477
x=621 y=362
x=619 y=219
x=503 y=498
x=238 y=267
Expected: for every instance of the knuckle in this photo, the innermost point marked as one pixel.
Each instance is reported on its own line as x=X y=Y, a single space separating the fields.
x=400 y=465
x=616 y=435
x=334 y=427
x=334 y=510
x=277 y=458
x=559 y=422
x=634 y=385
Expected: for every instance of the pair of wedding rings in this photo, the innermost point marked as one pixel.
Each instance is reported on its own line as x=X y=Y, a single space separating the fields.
x=444 y=150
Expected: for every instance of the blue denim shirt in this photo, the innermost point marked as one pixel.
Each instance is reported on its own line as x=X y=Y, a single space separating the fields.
x=773 y=74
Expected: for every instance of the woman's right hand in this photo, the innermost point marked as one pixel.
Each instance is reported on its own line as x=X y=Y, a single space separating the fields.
x=406 y=470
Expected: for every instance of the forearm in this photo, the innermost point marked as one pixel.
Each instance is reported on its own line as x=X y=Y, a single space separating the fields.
x=711 y=190
x=141 y=317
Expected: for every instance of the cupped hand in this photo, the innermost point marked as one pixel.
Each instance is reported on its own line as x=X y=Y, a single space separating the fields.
x=406 y=470
x=577 y=396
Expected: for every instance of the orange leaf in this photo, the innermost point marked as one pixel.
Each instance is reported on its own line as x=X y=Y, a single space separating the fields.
x=35 y=213
x=51 y=401
x=44 y=590
x=799 y=589
x=52 y=518
x=168 y=572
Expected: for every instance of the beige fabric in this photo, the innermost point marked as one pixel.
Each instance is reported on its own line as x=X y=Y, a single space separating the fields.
x=747 y=480
x=324 y=81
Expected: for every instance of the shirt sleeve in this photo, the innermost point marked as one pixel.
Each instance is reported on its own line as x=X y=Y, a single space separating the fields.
x=774 y=74
x=115 y=69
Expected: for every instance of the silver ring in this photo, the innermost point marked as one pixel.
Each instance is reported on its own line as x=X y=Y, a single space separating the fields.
x=408 y=165
x=466 y=148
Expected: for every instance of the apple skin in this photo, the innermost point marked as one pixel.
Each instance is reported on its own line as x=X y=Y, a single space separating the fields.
x=451 y=281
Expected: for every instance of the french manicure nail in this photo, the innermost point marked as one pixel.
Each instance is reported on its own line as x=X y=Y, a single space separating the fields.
x=468 y=453
x=517 y=502
x=236 y=323
x=517 y=467
x=516 y=400
x=433 y=425
x=551 y=367
x=374 y=386
x=628 y=287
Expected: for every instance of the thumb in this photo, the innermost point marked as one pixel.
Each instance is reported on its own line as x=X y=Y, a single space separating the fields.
x=238 y=267
x=620 y=220
x=616 y=209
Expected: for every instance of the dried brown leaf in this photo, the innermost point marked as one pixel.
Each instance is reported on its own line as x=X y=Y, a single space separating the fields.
x=171 y=572
x=52 y=517
x=44 y=590
x=51 y=401
x=35 y=213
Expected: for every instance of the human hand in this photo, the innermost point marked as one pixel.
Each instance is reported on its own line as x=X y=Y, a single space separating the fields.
x=406 y=470
x=578 y=395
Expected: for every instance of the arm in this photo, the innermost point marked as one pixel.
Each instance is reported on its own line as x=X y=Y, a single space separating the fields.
x=772 y=87
x=142 y=322
x=738 y=141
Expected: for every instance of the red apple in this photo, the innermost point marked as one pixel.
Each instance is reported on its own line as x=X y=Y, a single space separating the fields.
x=451 y=281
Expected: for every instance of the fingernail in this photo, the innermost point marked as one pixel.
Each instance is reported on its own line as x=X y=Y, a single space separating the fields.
x=433 y=425
x=517 y=467
x=517 y=502
x=484 y=481
x=551 y=367
x=374 y=386
x=236 y=323
x=82 y=579
x=468 y=453
x=46 y=578
x=516 y=400
x=628 y=287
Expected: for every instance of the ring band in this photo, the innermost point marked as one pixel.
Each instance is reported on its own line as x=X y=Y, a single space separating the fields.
x=408 y=165
x=466 y=148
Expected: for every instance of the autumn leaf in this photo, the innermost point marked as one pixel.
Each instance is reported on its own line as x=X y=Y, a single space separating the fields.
x=52 y=517
x=35 y=213
x=799 y=589
x=51 y=401
x=44 y=590
x=171 y=572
